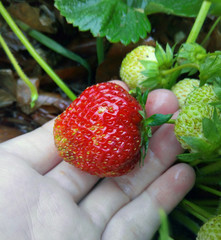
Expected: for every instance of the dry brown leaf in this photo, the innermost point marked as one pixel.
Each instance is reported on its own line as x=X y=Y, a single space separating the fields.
x=7 y=81
x=39 y=18
x=6 y=99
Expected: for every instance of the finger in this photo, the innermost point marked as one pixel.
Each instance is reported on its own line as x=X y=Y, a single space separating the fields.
x=35 y=148
x=161 y=101
x=165 y=102
x=139 y=219
x=62 y=172
x=72 y=179
x=110 y=195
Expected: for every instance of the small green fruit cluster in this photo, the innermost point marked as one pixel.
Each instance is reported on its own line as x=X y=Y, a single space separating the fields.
x=196 y=116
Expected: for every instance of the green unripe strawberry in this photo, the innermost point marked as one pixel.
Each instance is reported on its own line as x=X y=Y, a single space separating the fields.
x=183 y=88
x=211 y=230
x=131 y=68
x=189 y=122
x=204 y=94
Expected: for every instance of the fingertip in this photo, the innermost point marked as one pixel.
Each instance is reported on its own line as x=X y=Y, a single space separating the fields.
x=184 y=177
x=161 y=101
x=172 y=186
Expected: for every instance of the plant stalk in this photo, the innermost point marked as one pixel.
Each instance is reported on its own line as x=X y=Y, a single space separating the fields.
x=199 y=21
x=186 y=221
x=100 y=49
x=180 y=67
x=210 y=190
x=211 y=168
x=56 y=47
x=34 y=54
x=33 y=89
x=196 y=211
x=210 y=31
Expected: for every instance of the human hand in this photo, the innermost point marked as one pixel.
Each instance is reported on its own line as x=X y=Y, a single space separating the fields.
x=43 y=197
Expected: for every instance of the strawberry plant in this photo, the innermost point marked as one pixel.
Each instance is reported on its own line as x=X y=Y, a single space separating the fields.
x=124 y=21
x=88 y=132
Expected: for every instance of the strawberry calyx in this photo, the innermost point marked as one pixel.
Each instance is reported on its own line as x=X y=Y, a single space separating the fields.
x=191 y=58
x=153 y=70
x=147 y=122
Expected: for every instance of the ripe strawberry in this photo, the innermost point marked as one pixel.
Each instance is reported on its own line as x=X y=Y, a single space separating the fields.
x=183 y=88
x=100 y=131
x=131 y=68
x=211 y=230
x=204 y=94
x=189 y=122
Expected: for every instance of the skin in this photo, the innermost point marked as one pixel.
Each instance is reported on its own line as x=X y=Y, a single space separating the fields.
x=43 y=197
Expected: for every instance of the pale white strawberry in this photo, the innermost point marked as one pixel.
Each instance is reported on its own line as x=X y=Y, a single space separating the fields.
x=189 y=121
x=211 y=230
x=184 y=87
x=131 y=68
x=204 y=94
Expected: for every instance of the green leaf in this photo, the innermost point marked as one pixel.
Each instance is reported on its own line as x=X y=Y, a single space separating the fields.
x=189 y=157
x=217 y=123
x=210 y=130
x=151 y=83
x=142 y=113
x=197 y=144
x=152 y=73
x=146 y=133
x=216 y=8
x=210 y=69
x=53 y=45
x=217 y=86
x=158 y=119
x=164 y=58
x=115 y=19
x=188 y=8
x=141 y=97
x=191 y=53
x=151 y=68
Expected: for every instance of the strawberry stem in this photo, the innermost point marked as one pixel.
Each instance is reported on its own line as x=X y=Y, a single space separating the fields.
x=186 y=221
x=55 y=46
x=100 y=49
x=199 y=22
x=196 y=211
x=210 y=190
x=211 y=30
x=211 y=168
x=180 y=67
x=33 y=52
x=171 y=121
x=22 y=75
x=209 y=180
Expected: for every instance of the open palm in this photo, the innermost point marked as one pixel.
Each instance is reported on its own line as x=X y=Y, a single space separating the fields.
x=43 y=197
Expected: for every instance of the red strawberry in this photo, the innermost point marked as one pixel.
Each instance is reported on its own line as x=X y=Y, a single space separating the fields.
x=100 y=131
